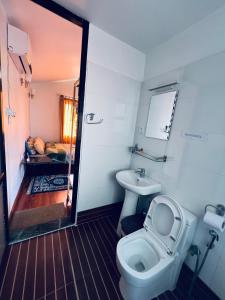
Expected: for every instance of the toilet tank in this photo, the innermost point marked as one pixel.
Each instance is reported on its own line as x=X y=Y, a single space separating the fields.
x=190 y=228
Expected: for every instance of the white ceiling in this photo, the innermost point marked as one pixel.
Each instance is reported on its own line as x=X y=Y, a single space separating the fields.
x=55 y=42
x=143 y=24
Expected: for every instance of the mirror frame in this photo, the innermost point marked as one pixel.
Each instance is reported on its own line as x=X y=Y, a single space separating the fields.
x=171 y=116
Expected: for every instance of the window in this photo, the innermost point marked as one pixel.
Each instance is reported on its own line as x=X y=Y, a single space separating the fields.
x=68 y=115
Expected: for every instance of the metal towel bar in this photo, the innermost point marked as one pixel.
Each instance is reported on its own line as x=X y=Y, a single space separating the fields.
x=140 y=152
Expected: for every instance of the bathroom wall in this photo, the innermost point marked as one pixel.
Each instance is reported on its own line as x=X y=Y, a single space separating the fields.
x=17 y=129
x=114 y=74
x=44 y=108
x=194 y=173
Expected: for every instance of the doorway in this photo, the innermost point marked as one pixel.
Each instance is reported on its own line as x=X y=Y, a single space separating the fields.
x=44 y=116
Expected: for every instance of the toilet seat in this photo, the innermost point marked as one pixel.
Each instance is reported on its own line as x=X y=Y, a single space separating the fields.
x=165 y=220
x=126 y=251
x=149 y=259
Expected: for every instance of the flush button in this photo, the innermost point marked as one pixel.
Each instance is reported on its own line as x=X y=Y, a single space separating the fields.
x=172 y=238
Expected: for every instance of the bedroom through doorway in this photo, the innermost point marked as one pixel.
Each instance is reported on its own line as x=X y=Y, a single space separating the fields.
x=43 y=136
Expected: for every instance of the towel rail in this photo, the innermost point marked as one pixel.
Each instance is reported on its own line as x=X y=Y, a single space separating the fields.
x=140 y=152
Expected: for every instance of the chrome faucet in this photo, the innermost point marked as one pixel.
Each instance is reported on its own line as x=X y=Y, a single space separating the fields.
x=140 y=171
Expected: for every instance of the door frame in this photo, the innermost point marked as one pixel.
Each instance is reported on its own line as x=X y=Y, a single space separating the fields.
x=84 y=24
x=3 y=180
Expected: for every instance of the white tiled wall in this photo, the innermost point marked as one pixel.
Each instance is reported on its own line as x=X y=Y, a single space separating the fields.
x=194 y=172
x=114 y=98
x=114 y=74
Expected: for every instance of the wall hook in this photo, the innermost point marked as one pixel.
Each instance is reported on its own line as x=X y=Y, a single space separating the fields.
x=89 y=119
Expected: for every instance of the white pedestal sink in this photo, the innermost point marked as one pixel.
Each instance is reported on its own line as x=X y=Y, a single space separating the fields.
x=134 y=186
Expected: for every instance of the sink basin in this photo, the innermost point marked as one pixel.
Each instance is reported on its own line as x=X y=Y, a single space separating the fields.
x=139 y=185
x=134 y=186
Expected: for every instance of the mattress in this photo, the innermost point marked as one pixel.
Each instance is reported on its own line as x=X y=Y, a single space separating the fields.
x=66 y=148
x=59 y=151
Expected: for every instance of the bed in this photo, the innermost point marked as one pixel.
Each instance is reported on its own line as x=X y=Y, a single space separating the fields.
x=47 y=158
x=59 y=151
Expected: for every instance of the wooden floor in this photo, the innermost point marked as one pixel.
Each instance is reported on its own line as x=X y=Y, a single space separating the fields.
x=36 y=214
x=77 y=263
x=25 y=201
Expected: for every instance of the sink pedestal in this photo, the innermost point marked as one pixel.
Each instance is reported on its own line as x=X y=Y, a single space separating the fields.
x=134 y=185
x=129 y=207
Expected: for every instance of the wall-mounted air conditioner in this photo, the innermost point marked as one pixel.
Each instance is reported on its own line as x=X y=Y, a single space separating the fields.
x=20 y=51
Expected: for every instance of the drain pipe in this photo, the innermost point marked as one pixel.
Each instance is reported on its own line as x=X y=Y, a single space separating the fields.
x=194 y=250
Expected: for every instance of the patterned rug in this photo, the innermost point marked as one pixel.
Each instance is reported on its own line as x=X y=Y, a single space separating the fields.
x=51 y=183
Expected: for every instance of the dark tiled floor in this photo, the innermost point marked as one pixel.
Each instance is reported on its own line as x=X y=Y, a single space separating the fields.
x=74 y=263
x=112 y=210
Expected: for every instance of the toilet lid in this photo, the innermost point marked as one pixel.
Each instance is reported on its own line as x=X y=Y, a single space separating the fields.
x=165 y=219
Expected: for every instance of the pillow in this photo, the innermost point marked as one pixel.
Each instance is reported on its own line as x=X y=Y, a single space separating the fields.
x=29 y=150
x=50 y=144
x=39 y=140
x=30 y=142
x=29 y=146
x=39 y=145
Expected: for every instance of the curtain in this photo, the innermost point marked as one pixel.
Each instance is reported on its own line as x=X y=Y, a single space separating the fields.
x=66 y=118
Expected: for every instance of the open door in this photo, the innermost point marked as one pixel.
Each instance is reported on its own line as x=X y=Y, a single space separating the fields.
x=3 y=193
x=43 y=114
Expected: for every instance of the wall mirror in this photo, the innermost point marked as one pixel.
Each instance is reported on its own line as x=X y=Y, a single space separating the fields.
x=160 y=116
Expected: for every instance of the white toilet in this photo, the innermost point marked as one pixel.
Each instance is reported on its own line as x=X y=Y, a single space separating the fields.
x=150 y=259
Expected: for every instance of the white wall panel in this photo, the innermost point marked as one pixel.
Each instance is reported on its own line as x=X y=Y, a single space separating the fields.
x=114 y=98
x=194 y=173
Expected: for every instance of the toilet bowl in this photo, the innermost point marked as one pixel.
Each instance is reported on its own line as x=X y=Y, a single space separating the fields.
x=149 y=260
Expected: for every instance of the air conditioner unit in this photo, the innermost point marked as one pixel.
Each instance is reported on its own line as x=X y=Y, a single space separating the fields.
x=19 y=50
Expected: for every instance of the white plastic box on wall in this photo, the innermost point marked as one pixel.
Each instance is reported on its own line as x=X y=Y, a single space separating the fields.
x=19 y=49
